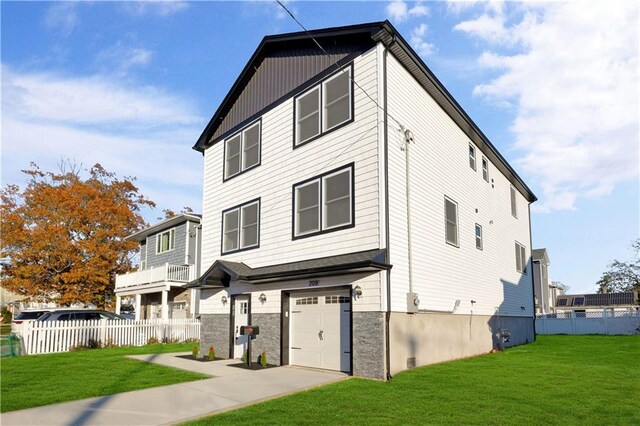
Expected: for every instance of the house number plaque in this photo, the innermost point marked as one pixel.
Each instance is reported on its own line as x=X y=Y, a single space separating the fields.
x=314 y=283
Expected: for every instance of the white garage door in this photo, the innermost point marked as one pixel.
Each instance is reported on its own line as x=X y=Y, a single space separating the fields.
x=321 y=330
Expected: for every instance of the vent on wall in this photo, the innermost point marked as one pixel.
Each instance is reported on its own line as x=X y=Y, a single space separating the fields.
x=411 y=362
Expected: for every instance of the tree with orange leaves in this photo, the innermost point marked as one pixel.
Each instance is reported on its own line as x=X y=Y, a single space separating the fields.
x=64 y=235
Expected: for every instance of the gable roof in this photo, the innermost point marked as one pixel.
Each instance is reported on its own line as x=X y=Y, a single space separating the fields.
x=224 y=271
x=540 y=255
x=270 y=86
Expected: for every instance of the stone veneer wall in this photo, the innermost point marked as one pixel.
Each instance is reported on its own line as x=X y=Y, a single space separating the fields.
x=369 y=347
x=214 y=331
x=269 y=338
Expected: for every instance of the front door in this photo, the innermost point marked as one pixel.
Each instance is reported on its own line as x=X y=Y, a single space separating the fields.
x=241 y=316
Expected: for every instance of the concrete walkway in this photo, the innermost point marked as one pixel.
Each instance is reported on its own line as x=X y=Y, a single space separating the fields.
x=230 y=388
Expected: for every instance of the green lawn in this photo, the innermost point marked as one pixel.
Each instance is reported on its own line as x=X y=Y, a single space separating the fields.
x=31 y=381
x=556 y=380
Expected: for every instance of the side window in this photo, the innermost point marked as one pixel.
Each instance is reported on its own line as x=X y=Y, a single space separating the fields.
x=485 y=169
x=478 y=237
x=451 y=221
x=521 y=258
x=472 y=156
x=514 y=204
x=242 y=150
x=240 y=227
x=324 y=107
x=165 y=241
x=324 y=203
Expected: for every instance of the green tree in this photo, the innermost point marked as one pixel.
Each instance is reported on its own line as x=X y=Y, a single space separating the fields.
x=622 y=276
x=64 y=235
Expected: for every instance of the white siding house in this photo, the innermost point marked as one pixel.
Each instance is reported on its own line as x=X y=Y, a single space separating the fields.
x=347 y=248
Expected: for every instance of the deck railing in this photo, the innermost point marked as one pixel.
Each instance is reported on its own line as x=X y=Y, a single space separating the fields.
x=166 y=272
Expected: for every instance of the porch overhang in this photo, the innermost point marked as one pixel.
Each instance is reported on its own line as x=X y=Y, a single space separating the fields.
x=221 y=273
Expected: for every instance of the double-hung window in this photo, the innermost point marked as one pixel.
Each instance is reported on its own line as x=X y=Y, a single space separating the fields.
x=165 y=241
x=485 y=169
x=514 y=204
x=241 y=227
x=324 y=107
x=324 y=203
x=242 y=150
x=451 y=221
x=478 y=237
x=472 y=157
x=521 y=258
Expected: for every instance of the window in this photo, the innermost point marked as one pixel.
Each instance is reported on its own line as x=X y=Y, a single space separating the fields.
x=324 y=107
x=307 y=301
x=451 y=221
x=472 y=157
x=478 y=237
x=485 y=169
x=514 y=205
x=240 y=227
x=578 y=301
x=165 y=241
x=324 y=203
x=328 y=300
x=242 y=151
x=521 y=258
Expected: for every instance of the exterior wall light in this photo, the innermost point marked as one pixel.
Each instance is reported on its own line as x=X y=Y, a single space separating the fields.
x=224 y=300
x=262 y=298
x=357 y=292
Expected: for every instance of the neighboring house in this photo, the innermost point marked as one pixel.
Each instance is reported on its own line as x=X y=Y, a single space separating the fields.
x=580 y=304
x=545 y=291
x=349 y=251
x=169 y=259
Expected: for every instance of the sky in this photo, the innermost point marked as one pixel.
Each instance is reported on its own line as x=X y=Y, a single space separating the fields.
x=131 y=85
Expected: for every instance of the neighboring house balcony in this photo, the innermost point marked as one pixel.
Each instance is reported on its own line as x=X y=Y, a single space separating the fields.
x=160 y=279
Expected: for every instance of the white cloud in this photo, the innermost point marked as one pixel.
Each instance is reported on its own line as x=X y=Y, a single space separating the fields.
x=119 y=58
x=418 y=41
x=91 y=101
x=159 y=8
x=573 y=86
x=399 y=11
x=62 y=17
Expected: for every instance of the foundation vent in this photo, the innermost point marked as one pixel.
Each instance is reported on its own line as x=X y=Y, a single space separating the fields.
x=411 y=362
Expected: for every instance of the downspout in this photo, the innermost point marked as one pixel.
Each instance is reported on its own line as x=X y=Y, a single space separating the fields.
x=533 y=290
x=386 y=184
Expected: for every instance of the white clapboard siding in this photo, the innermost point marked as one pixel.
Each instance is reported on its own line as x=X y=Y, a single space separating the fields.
x=41 y=337
x=440 y=167
x=282 y=166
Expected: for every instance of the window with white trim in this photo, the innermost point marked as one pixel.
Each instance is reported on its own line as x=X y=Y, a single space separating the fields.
x=472 y=157
x=324 y=203
x=242 y=150
x=165 y=241
x=521 y=258
x=451 y=221
x=514 y=204
x=485 y=169
x=240 y=227
x=478 y=237
x=324 y=107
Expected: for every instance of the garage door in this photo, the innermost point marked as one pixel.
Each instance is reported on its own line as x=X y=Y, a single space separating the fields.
x=321 y=330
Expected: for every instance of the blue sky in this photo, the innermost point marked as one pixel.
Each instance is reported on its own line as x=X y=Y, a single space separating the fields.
x=555 y=86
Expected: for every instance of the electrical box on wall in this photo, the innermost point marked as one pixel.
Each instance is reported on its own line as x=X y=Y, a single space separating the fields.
x=413 y=303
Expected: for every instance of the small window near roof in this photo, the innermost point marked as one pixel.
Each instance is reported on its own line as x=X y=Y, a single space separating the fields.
x=451 y=221
x=472 y=157
x=165 y=241
x=478 y=237
x=485 y=169
x=242 y=150
x=514 y=204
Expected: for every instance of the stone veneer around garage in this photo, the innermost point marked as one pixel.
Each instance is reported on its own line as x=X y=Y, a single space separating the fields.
x=214 y=331
x=369 y=345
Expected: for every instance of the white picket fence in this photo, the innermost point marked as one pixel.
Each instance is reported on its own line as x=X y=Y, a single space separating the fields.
x=599 y=322
x=43 y=337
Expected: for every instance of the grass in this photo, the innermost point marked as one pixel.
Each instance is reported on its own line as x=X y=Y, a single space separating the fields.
x=32 y=381
x=556 y=380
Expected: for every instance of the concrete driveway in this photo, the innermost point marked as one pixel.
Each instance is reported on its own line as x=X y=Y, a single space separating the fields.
x=230 y=388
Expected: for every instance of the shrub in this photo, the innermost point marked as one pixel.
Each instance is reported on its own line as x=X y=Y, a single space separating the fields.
x=91 y=344
x=212 y=353
x=194 y=351
x=244 y=358
x=6 y=316
x=152 y=340
x=263 y=359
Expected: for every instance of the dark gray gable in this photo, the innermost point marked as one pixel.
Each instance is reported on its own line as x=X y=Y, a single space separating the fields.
x=279 y=67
